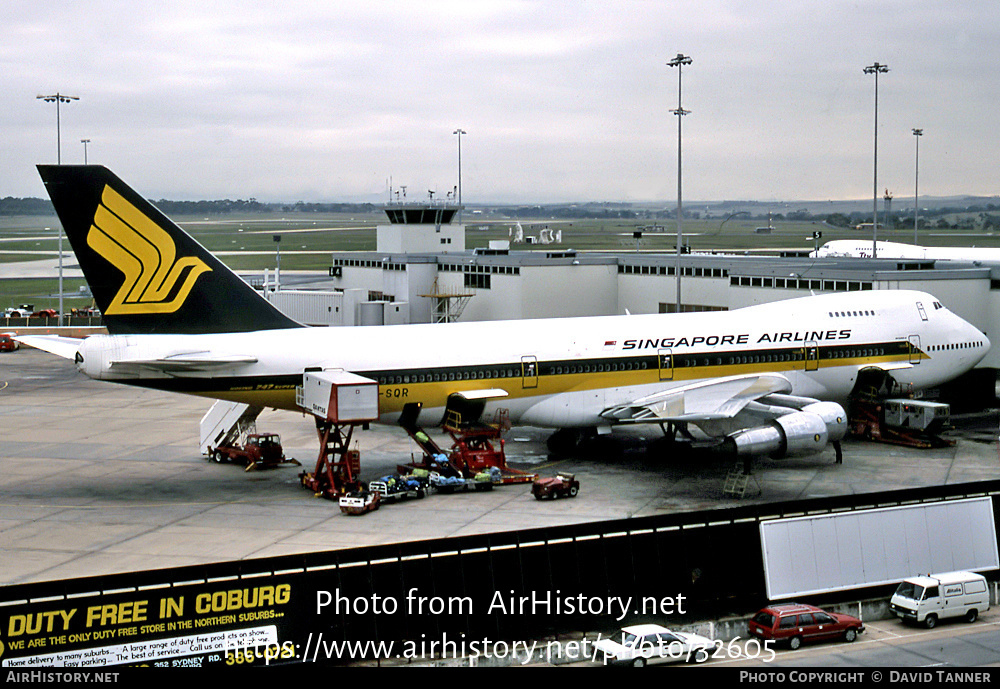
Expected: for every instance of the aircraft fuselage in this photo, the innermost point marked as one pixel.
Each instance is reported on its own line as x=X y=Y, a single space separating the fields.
x=563 y=373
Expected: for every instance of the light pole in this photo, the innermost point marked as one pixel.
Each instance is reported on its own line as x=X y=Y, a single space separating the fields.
x=277 y=262
x=917 y=133
x=84 y=142
x=679 y=63
x=459 y=133
x=57 y=99
x=875 y=69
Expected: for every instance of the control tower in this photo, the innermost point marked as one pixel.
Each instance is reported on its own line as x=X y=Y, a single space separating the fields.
x=416 y=228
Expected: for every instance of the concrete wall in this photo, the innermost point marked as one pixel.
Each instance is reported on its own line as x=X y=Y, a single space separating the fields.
x=569 y=290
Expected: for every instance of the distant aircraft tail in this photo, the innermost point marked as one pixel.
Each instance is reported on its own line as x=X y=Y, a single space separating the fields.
x=148 y=275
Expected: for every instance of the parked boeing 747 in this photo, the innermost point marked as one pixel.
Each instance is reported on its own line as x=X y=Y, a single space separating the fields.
x=859 y=248
x=763 y=380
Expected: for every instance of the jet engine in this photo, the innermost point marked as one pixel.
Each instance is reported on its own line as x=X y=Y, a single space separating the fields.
x=802 y=432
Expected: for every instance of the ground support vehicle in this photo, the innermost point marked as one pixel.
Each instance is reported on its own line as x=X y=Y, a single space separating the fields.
x=796 y=623
x=911 y=423
x=339 y=402
x=484 y=480
x=360 y=502
x=476 y=448
x=396 y=487
x=558 y=486
x=642 y=644
x=8 y=343
x=258 y=451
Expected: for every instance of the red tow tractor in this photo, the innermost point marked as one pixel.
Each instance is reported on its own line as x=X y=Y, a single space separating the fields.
x=559 y=486
x=259 y=451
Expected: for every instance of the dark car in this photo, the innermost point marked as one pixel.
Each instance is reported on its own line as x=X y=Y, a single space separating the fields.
x=795 y=623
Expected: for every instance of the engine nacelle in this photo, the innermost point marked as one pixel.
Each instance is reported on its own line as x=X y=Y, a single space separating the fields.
x=797 y=433
x=833 y=416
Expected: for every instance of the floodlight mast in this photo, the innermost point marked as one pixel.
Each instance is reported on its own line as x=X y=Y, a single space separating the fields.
x=459 y=132
x=875 y=69
x=679 y=63
x=58 y=98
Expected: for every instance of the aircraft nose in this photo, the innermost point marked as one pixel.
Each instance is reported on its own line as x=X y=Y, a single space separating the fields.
x=975 y=335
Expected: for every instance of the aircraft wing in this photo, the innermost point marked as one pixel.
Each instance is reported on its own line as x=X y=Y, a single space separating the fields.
x=722 y=398
x=492 y=393
x=65 y=347
x=897 y=366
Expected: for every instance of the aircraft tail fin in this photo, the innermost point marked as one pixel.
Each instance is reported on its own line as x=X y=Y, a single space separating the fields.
x=146 y=273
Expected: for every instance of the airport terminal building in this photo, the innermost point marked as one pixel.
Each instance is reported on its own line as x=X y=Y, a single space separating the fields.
x=404 y=282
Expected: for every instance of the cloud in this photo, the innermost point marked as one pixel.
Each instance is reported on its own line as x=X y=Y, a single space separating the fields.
x=561 y=100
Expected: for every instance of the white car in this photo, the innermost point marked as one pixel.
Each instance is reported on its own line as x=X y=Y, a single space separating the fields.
x=650 y=643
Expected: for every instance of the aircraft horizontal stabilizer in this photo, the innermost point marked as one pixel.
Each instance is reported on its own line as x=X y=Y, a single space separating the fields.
x=188 y=361
x=715 y=399
x=65 y=347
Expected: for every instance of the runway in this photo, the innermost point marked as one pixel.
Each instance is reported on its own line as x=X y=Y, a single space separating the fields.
x=98 y=478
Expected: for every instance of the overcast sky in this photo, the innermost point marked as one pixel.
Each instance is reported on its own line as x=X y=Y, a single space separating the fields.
x=561 y=101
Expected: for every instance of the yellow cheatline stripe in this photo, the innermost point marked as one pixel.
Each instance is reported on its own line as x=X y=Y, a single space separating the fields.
x=392 y=397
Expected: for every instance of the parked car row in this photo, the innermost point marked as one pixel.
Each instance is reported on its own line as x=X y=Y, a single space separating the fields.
x=29 y=311
x=924 y=599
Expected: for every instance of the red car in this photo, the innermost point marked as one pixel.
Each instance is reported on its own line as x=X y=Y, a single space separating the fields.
x=7 y=343
x=794 y=623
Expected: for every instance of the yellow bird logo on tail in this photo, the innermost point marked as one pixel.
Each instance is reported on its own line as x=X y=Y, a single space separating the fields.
x=145 y=254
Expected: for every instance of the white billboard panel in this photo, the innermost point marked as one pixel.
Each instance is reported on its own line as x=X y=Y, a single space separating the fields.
x=833 y=552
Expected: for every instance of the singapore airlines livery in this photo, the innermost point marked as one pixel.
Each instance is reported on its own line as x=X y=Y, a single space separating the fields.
x=762 y=380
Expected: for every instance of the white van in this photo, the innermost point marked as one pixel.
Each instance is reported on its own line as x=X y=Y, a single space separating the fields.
x=932 y=597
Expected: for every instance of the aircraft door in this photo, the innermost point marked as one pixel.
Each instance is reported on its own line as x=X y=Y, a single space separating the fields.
x=812 y=356
x=666 y=364
x=529 y=372
x=914 y=346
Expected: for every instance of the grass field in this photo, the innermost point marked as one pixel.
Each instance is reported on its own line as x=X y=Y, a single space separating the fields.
x=247 y=243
